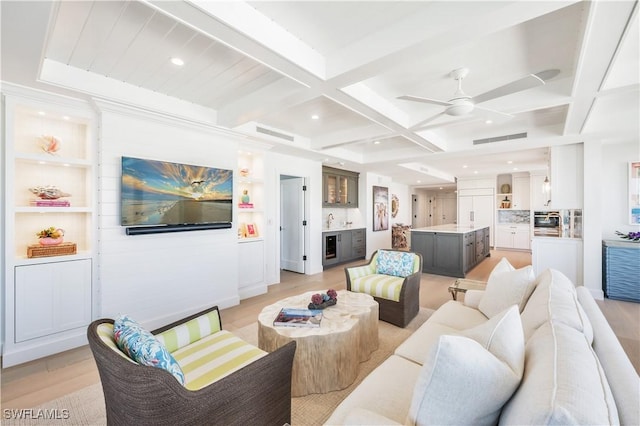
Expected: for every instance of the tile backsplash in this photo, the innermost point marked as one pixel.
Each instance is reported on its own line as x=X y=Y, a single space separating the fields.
x=514 y=216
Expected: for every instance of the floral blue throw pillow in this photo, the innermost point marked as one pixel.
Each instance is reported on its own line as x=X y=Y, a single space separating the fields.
x=398 y=264
x=142 y=346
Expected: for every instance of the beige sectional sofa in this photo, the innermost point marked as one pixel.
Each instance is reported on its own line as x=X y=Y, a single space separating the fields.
x=526 y=350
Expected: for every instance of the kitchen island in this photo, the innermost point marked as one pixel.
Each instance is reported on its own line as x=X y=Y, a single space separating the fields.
x=451 y=250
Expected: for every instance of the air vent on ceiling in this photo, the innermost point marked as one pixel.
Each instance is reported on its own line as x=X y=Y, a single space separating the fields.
x=500 y=138
x=274 y=133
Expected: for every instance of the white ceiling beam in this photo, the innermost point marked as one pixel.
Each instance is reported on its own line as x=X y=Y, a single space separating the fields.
x=604 y=29
x=200 y=20
x=357 y=62
x=350 y=136
x=247 y=20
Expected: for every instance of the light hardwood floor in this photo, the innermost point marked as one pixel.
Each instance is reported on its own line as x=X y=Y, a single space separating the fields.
x=36 y=382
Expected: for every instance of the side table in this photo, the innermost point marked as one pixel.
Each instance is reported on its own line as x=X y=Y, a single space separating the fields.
x=462 y=285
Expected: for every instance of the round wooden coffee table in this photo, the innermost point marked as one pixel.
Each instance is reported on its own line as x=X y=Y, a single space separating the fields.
x=326 y=357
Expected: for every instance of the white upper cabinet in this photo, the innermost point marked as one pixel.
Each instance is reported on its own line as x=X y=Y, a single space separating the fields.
x=521 y=192
x=567 y=177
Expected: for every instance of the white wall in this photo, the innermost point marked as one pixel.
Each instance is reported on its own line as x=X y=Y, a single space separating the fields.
x=379 y=239
x=614 y=184
x=277 y=165
x=404 y=198
x=157 y=278
x=605 y=202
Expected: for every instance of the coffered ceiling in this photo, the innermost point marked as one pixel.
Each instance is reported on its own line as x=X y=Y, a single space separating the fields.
x=327 y=75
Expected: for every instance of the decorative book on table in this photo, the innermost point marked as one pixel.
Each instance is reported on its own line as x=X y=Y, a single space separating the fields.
x=298 y=317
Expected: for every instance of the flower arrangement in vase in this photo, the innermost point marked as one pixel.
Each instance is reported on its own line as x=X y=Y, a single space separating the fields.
x=50 y=236
x=321 y=301
x=631 y=236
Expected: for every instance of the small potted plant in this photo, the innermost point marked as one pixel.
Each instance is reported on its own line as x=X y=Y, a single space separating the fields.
x=50 y=236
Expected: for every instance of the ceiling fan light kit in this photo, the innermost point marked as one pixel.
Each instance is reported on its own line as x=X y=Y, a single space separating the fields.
x=462 y=104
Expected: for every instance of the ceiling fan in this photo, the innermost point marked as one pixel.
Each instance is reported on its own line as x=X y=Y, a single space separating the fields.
x=462 y=104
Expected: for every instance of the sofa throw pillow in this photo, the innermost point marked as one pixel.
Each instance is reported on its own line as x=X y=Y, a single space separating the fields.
x=507 y=286
x=467 y=378
x=395 y=263
x=142 y=346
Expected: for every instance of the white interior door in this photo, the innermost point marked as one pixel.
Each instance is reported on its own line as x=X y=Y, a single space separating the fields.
x=291 y=224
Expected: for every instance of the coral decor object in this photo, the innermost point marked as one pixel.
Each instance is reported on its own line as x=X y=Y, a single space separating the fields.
x=48 y=192
x=50 y=144
x=321 y=301
x=50 y=236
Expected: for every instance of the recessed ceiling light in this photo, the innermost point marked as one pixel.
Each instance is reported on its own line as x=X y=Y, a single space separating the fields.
x=315 y=117
x=475 y=172
x=464 y=166
x=419 y=181
x=177 y=61
x=376 y=142
x=488 y=121
x=509 y=162
x=41 y=113
x=65 y=117
x=515 y=169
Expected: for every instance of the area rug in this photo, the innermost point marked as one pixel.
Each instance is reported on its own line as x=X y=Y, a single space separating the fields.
x=86 y=406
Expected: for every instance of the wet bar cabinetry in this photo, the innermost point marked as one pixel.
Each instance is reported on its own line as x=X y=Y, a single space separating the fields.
x=339 y=188
x=49 y=296
x=345 y=245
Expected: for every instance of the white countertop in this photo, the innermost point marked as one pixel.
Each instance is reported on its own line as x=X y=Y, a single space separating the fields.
x=341 y=228
x=451 y=228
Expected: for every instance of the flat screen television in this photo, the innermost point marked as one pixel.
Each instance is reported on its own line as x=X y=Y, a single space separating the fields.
x=159 y=196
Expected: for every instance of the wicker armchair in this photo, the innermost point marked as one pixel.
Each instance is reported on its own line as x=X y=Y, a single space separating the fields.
x=259 y=393
x=399 y=312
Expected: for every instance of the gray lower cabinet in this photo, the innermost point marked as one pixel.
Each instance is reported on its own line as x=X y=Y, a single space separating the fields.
x=450 y=253
x=343 y=246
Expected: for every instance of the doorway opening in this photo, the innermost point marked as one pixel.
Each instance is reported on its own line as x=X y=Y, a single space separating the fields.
x=292 y=223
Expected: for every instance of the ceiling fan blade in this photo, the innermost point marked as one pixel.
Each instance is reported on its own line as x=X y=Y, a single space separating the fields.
x=423 y=100
x=425 y=121
x=525 y=83
x=492 y=114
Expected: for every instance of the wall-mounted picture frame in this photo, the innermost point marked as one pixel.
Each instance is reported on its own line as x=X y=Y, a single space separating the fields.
x=634 y=193
x=380 y=208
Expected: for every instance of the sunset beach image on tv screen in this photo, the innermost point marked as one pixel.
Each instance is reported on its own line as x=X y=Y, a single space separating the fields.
x=164 y=193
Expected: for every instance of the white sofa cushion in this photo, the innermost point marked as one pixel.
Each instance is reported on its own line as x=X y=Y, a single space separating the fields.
x=450 y=318
x=507 y=286
x=387 y=390
x=563 y=382
x=555 y=298
x=467 y=378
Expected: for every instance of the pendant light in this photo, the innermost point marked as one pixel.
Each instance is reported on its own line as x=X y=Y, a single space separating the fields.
x=546 y=185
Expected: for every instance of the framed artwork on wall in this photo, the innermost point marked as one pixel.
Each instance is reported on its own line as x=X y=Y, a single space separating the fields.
x=634 y=193
x=380 y=208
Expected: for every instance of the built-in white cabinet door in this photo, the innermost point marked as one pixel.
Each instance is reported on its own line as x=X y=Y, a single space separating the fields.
x=540 y=196
x=251 y=275
x=504 y=237
x=51 y=298
x=567 y=176
x=563 y=254
x=521 y=193
x=522 y=238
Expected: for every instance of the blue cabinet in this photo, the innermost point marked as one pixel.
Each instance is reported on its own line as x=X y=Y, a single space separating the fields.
x=621 y=270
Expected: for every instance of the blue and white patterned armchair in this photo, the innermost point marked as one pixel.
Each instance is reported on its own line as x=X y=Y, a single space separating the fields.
x=392 y=277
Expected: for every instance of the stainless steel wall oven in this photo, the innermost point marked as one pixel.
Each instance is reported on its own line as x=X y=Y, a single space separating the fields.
x=547 y=223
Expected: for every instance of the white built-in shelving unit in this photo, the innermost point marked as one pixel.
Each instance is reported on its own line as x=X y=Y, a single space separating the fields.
x=48 y=301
